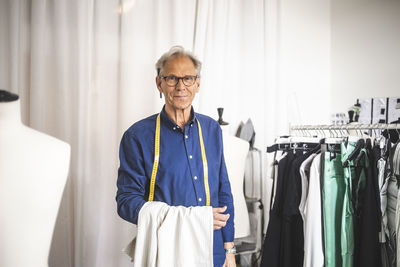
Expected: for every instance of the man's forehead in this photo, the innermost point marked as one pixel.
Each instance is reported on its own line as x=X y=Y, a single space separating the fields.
x=179 y=62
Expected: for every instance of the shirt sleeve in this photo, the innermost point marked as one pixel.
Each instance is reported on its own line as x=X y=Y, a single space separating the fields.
x=131 y=179
x=225 y=198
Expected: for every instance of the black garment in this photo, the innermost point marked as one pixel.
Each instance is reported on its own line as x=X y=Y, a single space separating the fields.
x=284 y=242
x=292 y=244
x=272 y=241
x=367 y=213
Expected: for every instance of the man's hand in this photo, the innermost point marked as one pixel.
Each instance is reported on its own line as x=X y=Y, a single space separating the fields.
x=229 y=257
x=229 y=260
x=220 y=218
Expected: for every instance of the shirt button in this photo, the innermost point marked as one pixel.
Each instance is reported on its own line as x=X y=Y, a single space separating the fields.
x=199 y=198
x=186 y=136
x=190 y=157
x=195 y=177
x=174 y=128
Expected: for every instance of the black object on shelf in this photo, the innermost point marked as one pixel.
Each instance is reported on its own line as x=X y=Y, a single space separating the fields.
x=357 y=110
x=220 y=120
x=351 y=115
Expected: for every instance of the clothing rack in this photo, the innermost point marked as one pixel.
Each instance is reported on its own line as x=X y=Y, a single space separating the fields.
x=345 y=127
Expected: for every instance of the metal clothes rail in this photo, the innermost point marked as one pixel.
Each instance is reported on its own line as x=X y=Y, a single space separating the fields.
x=345 y=127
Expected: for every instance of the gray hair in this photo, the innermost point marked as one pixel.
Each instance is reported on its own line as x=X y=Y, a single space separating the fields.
x=177 y=51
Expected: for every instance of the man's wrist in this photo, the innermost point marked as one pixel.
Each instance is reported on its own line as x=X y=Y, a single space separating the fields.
x=230 y=247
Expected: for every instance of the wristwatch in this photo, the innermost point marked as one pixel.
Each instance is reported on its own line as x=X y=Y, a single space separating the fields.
x=231 y=250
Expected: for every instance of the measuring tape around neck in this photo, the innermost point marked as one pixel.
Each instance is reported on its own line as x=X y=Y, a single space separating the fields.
x=157 y=158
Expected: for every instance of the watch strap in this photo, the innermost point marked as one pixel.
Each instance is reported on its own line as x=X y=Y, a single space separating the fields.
x=231 y=250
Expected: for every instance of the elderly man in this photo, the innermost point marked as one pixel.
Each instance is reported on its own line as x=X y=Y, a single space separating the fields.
x=190 y=170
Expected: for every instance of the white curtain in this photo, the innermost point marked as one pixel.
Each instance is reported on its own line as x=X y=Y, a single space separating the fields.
x=229 y=39
x=84 y=70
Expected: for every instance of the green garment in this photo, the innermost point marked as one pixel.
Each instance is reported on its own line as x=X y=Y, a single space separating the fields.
x=341 y=195
x=347 y=232
x=333 y=190
x=355 y=187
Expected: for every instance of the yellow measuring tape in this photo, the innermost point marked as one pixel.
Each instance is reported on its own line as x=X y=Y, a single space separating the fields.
x=157 y=157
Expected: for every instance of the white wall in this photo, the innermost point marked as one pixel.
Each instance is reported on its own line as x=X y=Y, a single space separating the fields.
x=331 y=52
x=365 y=50
x=304 y=60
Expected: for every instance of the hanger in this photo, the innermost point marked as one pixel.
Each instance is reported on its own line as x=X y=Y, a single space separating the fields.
x=332 y=145
x=294 y=144
x=392 y=134
x=359 y=130
x=360 y=144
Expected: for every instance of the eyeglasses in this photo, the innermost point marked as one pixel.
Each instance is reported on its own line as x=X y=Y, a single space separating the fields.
x=173 y=80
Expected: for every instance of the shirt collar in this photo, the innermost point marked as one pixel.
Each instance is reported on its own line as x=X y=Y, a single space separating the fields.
x=171 y=124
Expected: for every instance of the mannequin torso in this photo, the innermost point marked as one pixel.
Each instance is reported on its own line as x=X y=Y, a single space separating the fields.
x=33 y=172
x=235 y=152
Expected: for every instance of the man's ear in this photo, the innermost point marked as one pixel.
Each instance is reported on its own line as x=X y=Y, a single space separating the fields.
x=158 y=84
x=197 y=85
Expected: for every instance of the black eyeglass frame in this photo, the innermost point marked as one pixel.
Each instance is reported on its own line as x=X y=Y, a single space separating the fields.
x=180 y=78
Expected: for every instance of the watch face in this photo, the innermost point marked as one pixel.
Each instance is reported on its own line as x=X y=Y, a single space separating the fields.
x=231 y=250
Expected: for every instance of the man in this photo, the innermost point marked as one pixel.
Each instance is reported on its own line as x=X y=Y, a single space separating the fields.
x=190 y=170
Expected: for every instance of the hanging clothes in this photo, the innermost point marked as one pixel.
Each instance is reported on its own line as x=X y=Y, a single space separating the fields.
x=338 y=208
x=383 y=182
x=269 y=187
x=305 y=177
x=392 y=209
x=284 y=241
x=292 y=249
x=313 y=234
x=396 y=175
x=368 y=216
x=333 y=191
x=271 y=256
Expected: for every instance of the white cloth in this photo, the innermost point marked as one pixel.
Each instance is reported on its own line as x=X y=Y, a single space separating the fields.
x=235 y=153
x=383 y=186
x=392 y=207
x=305 y=176
x=313 y=246
x=253 y=175
x=396 y=173
x=173 y=236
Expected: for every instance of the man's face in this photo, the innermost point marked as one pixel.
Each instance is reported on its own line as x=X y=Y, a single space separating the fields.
x=180 y=96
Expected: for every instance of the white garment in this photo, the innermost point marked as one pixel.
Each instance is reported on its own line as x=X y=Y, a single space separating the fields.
x=313 y=246
x=173 y=236
x=235 y=153
x=253 y=175
x=392 y=207
x=396 y=173
x=305 y=175
x=383 y=186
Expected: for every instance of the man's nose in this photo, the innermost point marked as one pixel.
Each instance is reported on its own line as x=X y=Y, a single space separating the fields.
x=180 y=85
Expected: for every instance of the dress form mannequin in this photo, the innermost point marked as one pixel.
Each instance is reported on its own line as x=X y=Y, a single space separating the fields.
x=235 y=152
x=33 y=172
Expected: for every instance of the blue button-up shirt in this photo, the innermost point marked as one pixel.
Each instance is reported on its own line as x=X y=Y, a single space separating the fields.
x=180 y=178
